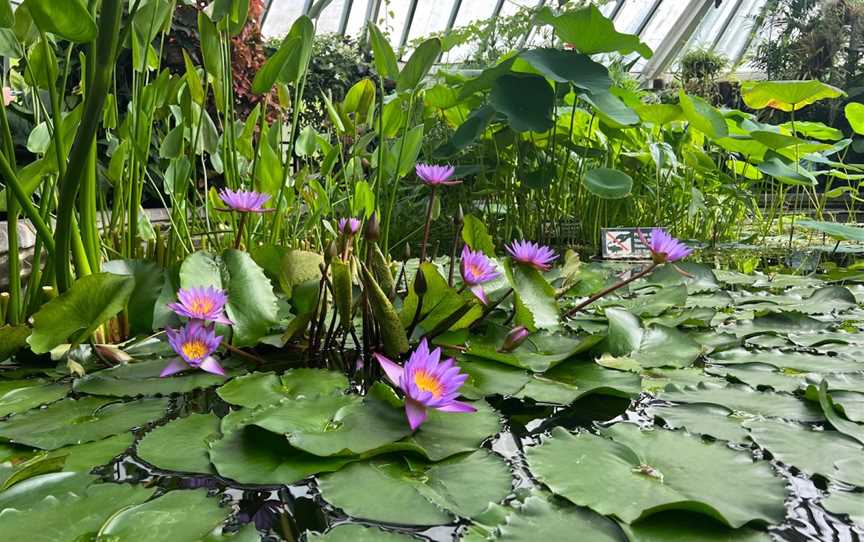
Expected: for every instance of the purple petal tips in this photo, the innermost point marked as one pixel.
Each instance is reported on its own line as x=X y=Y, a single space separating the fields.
x=665 y=248
x=514 y=338
x=201 y=304
x=529 y=253
x=427 y=382
x=436 y=175
x=195 y=343
x=477 y=269
x=349 y=226
x=244 y=201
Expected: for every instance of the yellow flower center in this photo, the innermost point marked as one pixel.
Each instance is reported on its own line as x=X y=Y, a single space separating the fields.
x=195 y=350
x=475 y=270
x=202 y=306
x=427 y=382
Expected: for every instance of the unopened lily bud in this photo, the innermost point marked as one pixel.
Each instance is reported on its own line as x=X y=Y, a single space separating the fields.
x=373 y=229
x=513 y=339
x=460 y=216
x=420 y=283
x=407 y=252
x=330 y=252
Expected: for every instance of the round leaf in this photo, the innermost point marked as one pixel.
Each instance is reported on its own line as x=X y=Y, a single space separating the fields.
x=608 y=183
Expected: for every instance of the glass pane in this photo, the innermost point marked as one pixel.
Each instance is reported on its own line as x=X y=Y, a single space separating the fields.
x=281 y=16
x=328 y=22
x=357 y=19
x=431 y=16
x=632 y=14
x=391 y=19
x=738 y=33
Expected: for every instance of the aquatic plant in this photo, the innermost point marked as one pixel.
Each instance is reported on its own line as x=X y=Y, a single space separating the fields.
x=201 y=303
x=427 y=382
x=532 y=254
x=195 y=343
x=476 y=269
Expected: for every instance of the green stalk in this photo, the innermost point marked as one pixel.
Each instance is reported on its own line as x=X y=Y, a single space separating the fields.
x=23 y=200
x=391 y=203
x=103 y=68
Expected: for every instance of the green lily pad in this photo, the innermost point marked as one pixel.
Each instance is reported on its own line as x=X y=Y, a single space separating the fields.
x=779 y=323
x=844 y=502
x=20 y=399
x=591 y=378
x=354 y=532
x=712 y=420
x=181 y=444
x=83 y=457
x=760 y=375
x=413 y=493
x=142 y=378
x=746 y=400
x=796 y=361
x=651 y=303
x=699 y=278
x=826 y=402
x=538 y=353
x=828 y=453
x=257 y=389
x=252 y=455
x=656 y=380
x=655 y=346
x=65 y=506
x=687 y=527
x=77 y=421
x=181 y=516
x=657 y=470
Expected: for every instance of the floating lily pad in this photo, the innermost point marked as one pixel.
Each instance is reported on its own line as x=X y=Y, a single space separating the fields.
x=77 y=421
x=712 y=420
x=83 y=457
x=655 y=346
x=354 y=532
x=414 y=493
x=539 y=353
x=698 y=278
x=592 y=378
x=653 y=303
x=654 y=470
x=181 y=444
x=687 y=527
x=266 y=388
x=65 y=506
x=180 y=516
x=826 y=402
x=142 y=378
x=828 y=453
x=252 y=455
x=760 y=375
x=787 y=322
x=844 y=502
x=26 y=397
x=744 y=399
x=797 y=361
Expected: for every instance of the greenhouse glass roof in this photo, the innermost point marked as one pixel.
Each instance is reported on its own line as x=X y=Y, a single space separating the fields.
x=669 y=27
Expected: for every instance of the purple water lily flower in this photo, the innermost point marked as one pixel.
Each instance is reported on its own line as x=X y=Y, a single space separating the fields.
x=436 y=175
x=665 y=248
x=527 y=252
x=427 y=383
x=244 y=201
x=195 y=345
x=349 y=226
x=476 y=269
x=201 y=304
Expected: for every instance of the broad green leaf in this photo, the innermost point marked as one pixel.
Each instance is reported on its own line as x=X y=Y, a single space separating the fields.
x=844 y=232
x=76 y=421
x=703 y=116
x=590 y=32
x=149 y=279
x=382 y=54
x=269 y=72
x=539 y=353
x=826 y=402
x=12 y=339
x=855 y=115
x=182 y=444
x=687 y=527
x=68 y=19
x=571 y=67
x=29 y=396
x=7 y=16
x=703 y=419
x=526 y=100
x=534 y=293
x=65 y=506
x=786 y=95
x=813 y=451
x=418 y=65
x=415 y=493
x=608 y=183
x=342 y=291
x=180 y=515
x=392 y=331
x=142 y=378
x=743 y=399
x=656 y=470
x=654 y=346
x=476 y=237
x=776 y=167
x=845 y=502
x=354 y=532
x=74 y=315
x=258 y=389
x=611 y=110
x=468 y=132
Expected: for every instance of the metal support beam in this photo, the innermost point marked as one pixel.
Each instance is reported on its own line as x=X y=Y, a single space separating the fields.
x=647 y=19
x=726 y=24
x=267 y=5
x=409 y=19
x=497 y=11
x=343 y=19
x=454 y=12
x=678 y=35
x=527 y=35
x=307 y=5
x=372 y=9
x=616 y=10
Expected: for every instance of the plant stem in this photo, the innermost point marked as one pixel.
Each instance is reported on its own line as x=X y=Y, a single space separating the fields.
x=609 y=290
x=240 y=227
x=428 y=224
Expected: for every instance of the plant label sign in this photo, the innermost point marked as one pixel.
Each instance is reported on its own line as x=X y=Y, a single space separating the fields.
x=625 y=243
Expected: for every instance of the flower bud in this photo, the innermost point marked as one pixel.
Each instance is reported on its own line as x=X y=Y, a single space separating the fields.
x=330 y=252
x=373 y=229
x=459 y=218
x=513 y=339
x=420 y=283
